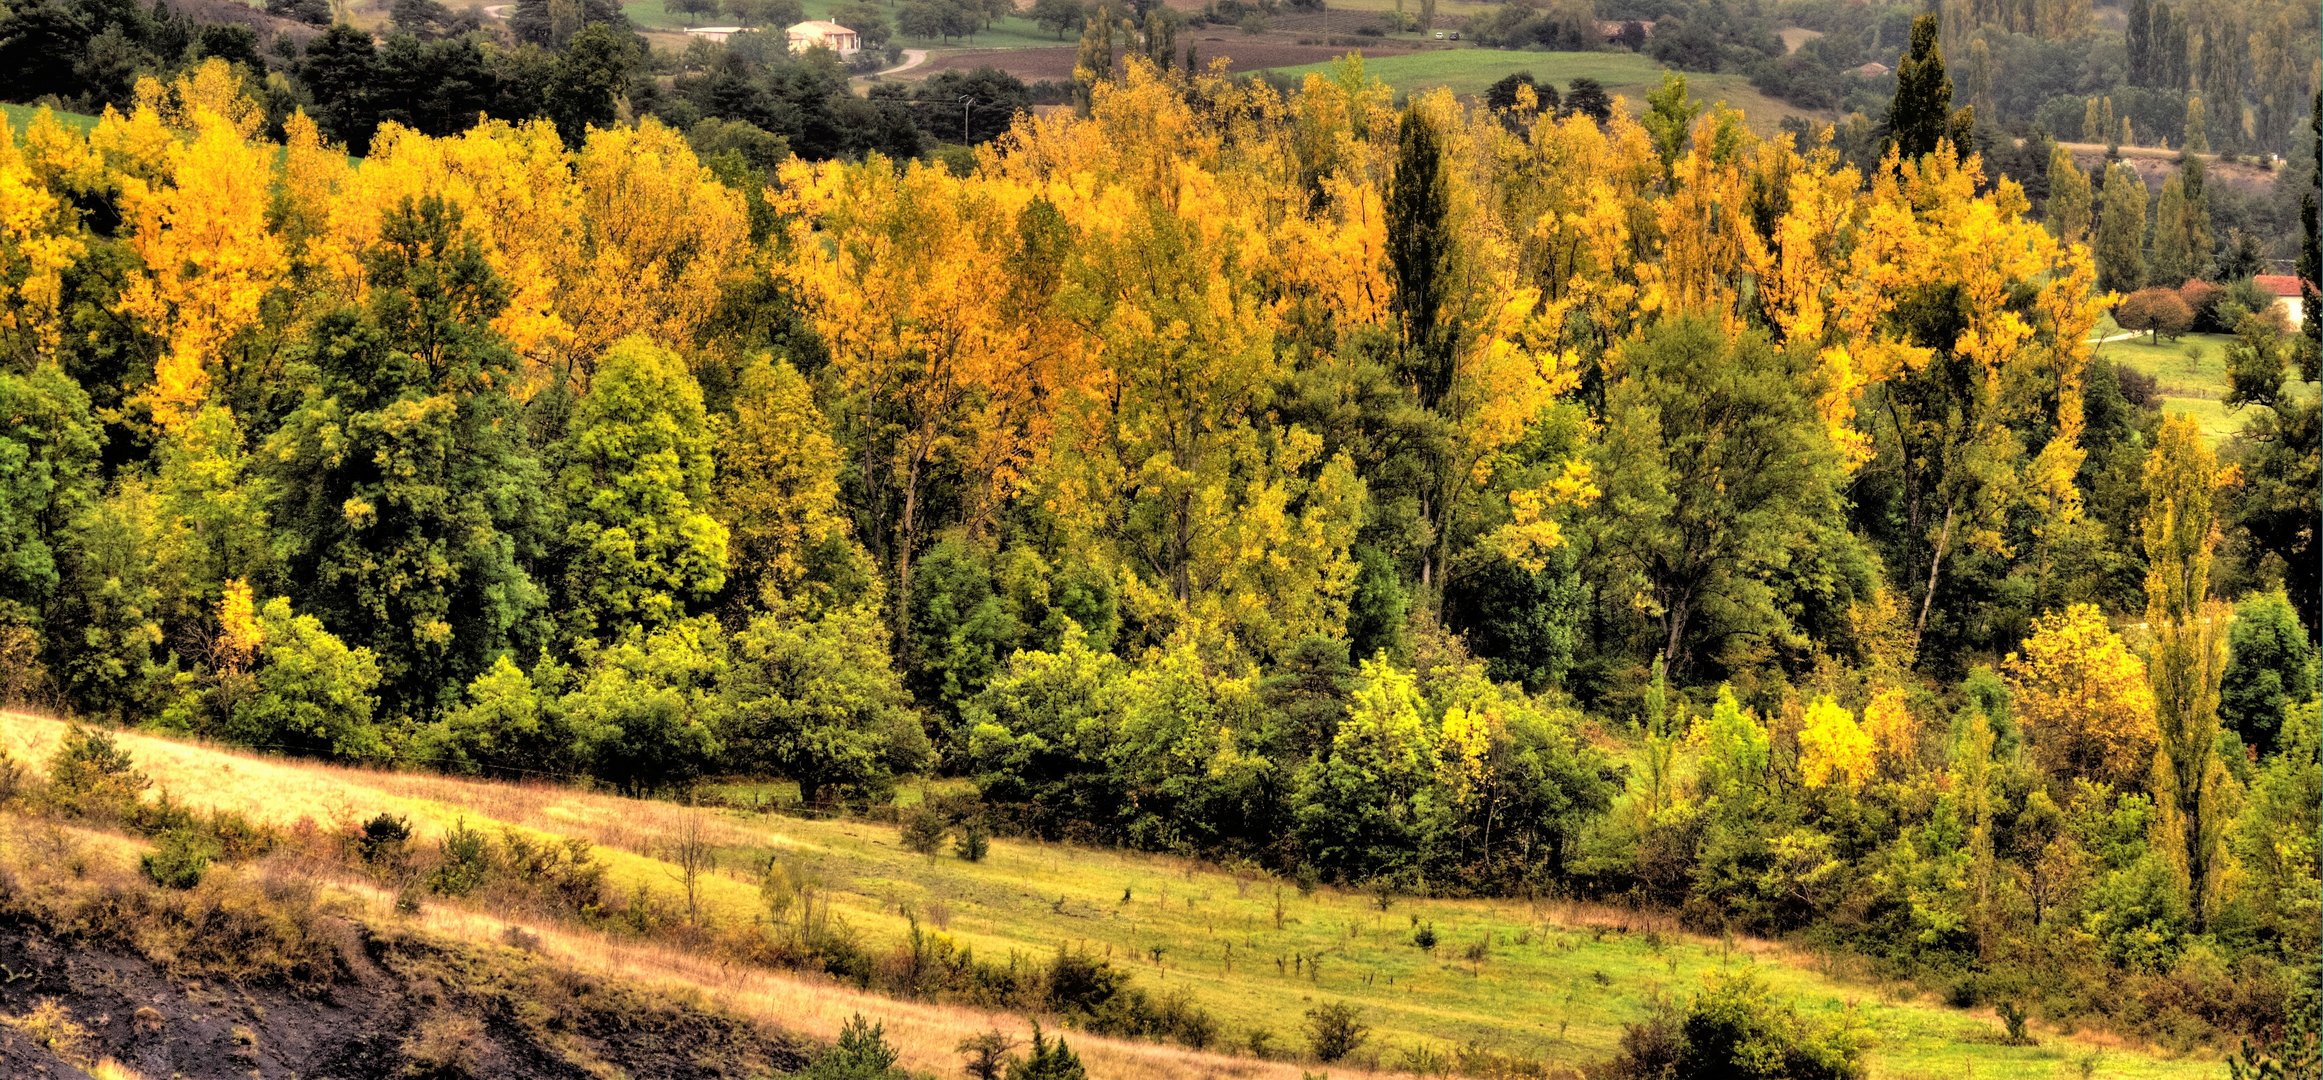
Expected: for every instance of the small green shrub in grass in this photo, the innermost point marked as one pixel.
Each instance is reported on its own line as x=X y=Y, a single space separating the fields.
x=178 y=860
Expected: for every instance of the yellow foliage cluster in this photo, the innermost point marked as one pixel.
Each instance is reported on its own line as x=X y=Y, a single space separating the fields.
x=2084 y=698
x=629 y=234
x=1833 y=748
x=1100 y=314
x=1890 y=724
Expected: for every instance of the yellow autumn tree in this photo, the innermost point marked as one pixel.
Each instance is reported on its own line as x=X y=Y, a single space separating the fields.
x=1833 y=748
x=1889 y=722
x=906 y=272
x=2083 y=698
x=37 y=243
x=209 y=257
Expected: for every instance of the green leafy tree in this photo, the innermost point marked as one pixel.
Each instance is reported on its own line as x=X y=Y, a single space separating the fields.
x=590 y=74
x=1040 y=736
x=1714 y=463
x=1669 y=119
x=777 y=487
x=311 y=694
x=641 y=543
x=1419 y=251
x=510 y=723
x=2070 y=199
x=1060 y=16
x=48 y=461
x=1361 y=811
x=2188 y=658
x=104 y=634
x=406 y=505
x=2270 y=668
x=815 y=699
x=2275 y=838
x=645 y=712
x=2182 y=240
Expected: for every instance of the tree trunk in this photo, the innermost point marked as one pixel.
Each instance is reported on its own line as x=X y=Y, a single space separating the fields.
x=1935 y=567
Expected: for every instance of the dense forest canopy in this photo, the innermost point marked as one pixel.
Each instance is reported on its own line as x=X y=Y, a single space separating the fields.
x=1441 y=496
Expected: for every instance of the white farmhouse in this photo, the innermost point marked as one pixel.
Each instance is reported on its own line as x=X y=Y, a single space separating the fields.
x=830 y=35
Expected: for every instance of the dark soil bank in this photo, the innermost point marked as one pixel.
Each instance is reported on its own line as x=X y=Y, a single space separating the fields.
x=399 y=1007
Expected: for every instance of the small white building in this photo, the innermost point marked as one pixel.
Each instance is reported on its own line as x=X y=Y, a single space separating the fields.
x=829 y=35
x=717 y=33
x=2290 y=299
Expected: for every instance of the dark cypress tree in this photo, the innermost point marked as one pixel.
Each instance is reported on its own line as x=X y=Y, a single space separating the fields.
x=1922 y=113
x=1419 y=249
x=1587 y=96
x=2138 y=38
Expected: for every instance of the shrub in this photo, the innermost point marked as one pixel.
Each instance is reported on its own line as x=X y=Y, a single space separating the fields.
x=1080 y=984
x=2014 y=1016
x=1334 y=1031
x=237 y=837
x=974 y=841
x=11 y=779
x=2156 y=311
x=922 y=831
x=987 y=1054
x=91 y=776
x=567 y=873
x=1425 y=937
x=862 y=1053
x=467 y=862
x=1650 y=1048
x=380 y=841
x=163 y=814
x=1735 y=1030
x=1048 y=1061
x=178 y=859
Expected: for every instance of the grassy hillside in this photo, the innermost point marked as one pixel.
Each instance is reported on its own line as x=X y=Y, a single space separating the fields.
x=21 y=115
x=1470 y=71
x=1547 y=981
x=2189 y=375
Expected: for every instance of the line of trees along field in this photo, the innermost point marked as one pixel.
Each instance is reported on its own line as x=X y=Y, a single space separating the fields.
x=1443 y=498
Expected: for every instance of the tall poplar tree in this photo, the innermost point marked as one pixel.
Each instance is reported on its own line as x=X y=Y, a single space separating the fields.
x=2121 y=231
x=1921 y=114
x=2189 y=651
x=2069 y=198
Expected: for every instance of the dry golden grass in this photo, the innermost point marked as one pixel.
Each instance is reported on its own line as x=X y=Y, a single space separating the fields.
x=1550 y=981
x=282 y=792
x=925 y=1035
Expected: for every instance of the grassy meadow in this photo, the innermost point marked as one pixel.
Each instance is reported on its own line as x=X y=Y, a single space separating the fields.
x=20 y=116
x=2189 y=375
x=1468 y=71
x=1549 y=981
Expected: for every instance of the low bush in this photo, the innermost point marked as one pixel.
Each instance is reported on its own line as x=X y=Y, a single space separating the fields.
x=862 y=1053
x=974 y=841
x=91 y=776
x=1049 y=1060
x=380 y=841
x=1334 y=1030
x=179 y=859
x=921 y=831
x=464 y=864
x=1735 y=1029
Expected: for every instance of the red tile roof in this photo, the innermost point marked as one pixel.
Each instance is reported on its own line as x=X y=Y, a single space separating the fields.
x=2278 y=284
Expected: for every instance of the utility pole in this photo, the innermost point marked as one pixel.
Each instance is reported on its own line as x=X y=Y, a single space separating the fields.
x=965 y=102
